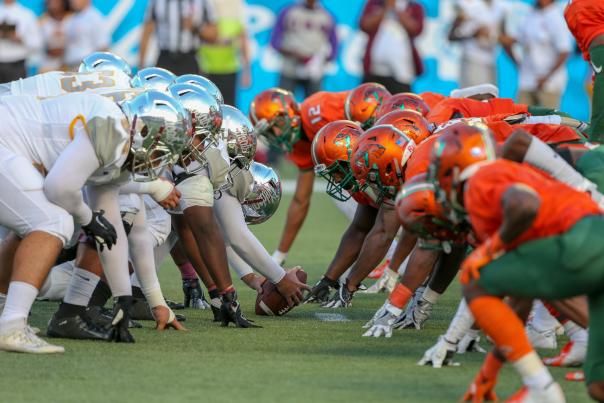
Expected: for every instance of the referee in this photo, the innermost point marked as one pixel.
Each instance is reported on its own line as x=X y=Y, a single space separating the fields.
x=180 y=27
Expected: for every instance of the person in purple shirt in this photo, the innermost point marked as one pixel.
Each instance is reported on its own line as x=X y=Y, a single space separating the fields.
x=305 y=36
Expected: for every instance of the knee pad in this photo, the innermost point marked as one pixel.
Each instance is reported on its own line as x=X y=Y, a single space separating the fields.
x=196 y=190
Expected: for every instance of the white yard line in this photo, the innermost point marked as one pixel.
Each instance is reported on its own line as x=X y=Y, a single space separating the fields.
x=331 y=317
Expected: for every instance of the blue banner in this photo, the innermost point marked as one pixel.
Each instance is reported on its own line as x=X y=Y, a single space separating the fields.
x=441 y=57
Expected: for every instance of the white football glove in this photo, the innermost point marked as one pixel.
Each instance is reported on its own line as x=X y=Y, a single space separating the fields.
x=382 y=326
x=469 y=343
x=440 y=354
x=377 y=314
x=385 y=283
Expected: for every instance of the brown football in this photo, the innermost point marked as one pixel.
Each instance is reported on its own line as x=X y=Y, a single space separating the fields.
x=271 y=302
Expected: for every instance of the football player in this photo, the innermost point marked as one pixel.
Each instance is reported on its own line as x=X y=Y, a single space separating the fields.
x=290 y=128
x=524 y=242
x=585 y=19
x=51 y=149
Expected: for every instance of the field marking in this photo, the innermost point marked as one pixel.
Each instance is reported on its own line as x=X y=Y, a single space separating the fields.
x=331 y=317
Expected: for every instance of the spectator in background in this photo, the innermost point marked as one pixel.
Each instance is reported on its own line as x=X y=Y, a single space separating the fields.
x=52 y=24
x=86 y=32
x=20 y=38
x=391 y=57
x=305 y=36
x=546 y=44
x=180 y=26
x=477 y=27
x=222 y=60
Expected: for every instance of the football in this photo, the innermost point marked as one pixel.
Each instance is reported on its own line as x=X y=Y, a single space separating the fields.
x=271 y=302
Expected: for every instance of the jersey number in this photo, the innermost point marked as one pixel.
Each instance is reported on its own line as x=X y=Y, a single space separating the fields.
x=70 y=82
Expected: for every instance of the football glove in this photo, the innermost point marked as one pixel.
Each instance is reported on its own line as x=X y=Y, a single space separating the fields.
x=100 y=230
x=120 y=320
x=416 y=314
x=230 y=310
x=377 y=314
x=342 y=298
x=382 y=325
x=385 y=283
x=439 y=355
x=489 y=250
x=469 y=343
x=320 y=291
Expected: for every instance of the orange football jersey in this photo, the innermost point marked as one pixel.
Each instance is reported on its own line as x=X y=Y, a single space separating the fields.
x=450 y=108
x=419 y=161
x=561 y=206
x=585 y=19
x=432 y=98
x=552 y=134
x=316 y=111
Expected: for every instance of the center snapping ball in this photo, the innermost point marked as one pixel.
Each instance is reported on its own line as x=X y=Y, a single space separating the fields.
x=271 y=302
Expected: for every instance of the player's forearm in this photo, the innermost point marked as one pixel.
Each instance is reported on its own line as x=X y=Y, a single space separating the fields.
x=158 y=189
x=373 y=251
x=347 y=253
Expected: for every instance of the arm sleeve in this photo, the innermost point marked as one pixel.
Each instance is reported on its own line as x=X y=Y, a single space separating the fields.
x=242 y=240
x=114 y=261
x=140 y=244
x=238 y=264
x=65 y=180
x=158 y=189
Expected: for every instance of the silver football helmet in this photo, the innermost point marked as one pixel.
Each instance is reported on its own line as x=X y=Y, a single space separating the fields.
x=160 y=129
x=264 y=199
x=239 y=137
x=206 y=116
x=153 y=78
x=204 y=83
x=99 y=61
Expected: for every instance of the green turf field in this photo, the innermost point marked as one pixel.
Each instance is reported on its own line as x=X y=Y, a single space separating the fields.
x=298 y=358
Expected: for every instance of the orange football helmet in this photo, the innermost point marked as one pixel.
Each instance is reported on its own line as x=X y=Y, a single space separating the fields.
x=330 y=150
x=410 y=122
x=275 y=115
x=378 y=160
x=403 y=101
x=363 y=101
x=420 y=214
x=455 y=158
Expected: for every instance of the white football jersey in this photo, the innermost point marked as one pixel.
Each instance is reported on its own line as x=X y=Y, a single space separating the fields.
x=55 y=83
x=41 y=129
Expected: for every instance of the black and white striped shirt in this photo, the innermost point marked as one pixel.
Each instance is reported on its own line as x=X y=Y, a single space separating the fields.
x=168 y=16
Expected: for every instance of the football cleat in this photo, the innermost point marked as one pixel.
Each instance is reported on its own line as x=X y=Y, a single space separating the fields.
x=320 y=291
x=76 y=327
x=102 y=317
x=120 y=319
x=539 y=339
x=23 y=340
x=175 y=305
x=572 y=355
x=342 y=298
x=441 y=354
x=552 y=393
x=215 y=304
x=469 y=343
x=575 y=376
x=378 y=271
x=230 y=310
x=140 y=310
x=194 y=297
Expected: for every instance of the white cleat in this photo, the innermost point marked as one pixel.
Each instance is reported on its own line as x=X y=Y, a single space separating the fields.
x=551 y=394
x=572 y=355
x=545 y=339
x=24 y=340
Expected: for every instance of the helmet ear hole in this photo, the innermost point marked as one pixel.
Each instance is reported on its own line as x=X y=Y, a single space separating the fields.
x=144 y=131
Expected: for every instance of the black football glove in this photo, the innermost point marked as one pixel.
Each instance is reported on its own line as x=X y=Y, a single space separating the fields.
x=230 y=311
x=120 y=320
x=101 y=230
x=320 y=291
x=342 y=298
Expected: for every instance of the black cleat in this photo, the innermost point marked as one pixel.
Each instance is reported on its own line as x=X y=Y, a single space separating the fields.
x=101 y=317
x=175 y=306
x=140 y=310
x=120 y=320
x=230 y=311
x=194 y=297
x=76 y=327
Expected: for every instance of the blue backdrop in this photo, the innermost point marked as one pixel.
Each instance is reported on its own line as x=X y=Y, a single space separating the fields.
x=441 y=58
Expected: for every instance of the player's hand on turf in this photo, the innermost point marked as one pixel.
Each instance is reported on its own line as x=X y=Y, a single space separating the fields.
x=382 y=325
x=376 y=315
x=320 y=291
x=171 y=201
x=342 y=298
x=291 y=288
x=165 y=319
x=439 y=355
x=230 y=311
x=481 y=390
x=101 y=230
x=489 y=250
x=469 y=343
